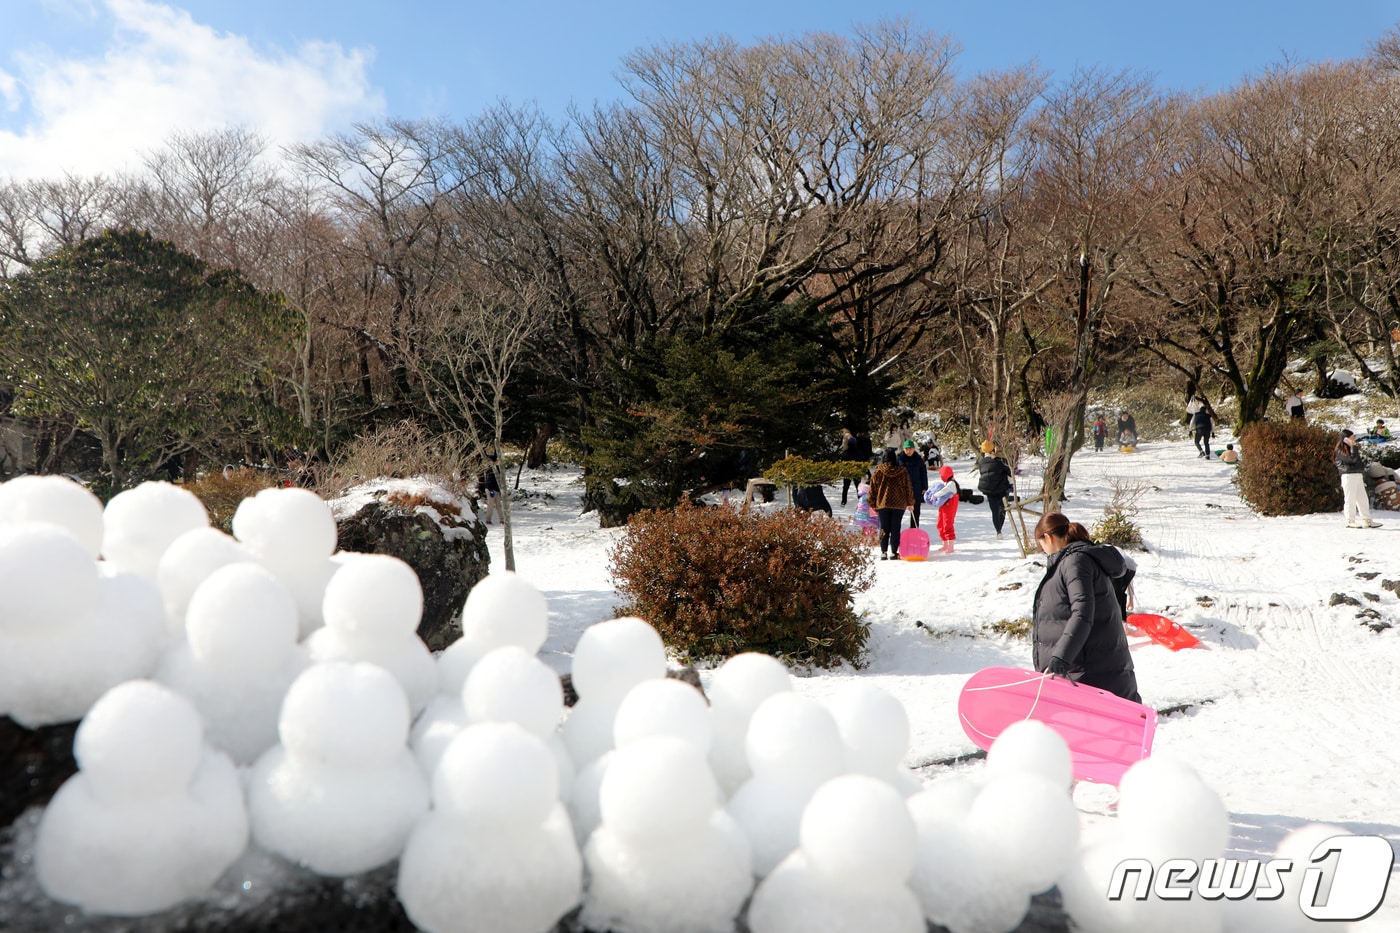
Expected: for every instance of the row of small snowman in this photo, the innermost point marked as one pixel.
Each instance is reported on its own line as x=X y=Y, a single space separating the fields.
x=678 y=806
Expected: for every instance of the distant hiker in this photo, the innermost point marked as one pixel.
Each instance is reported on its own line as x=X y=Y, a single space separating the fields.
x=914 y=465
x=1201 y=430
x=1230 y=455
x=1352 y=467
x=487 y=487
x=865 y=518
x=1127 y=430
x=943 y=494
x=847 y=451
x=1294 y=405
x=891 y=495
x=994 y=479
x=1077 y=624
x=1100 y=432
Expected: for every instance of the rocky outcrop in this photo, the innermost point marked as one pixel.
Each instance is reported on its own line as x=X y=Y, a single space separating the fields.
x=449 y=556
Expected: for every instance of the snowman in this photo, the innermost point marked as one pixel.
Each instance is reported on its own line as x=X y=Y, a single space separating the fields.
x=153 y=816
x=666 y=857
x=138 y=525
x=56 y=499
x=611 y=658
x=187 y=563
x=237 y=657
x=793 y=747
x=293 y=533
x=874 y=728
x=496 y=854
x=341 y=791
x=372 y=606
x=736 y=689
x=851 y=869
x=72 y=627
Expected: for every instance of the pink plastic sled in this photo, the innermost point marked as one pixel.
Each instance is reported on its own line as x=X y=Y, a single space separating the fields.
x=913 y=544
x=1106 y=734
x=1163 y=630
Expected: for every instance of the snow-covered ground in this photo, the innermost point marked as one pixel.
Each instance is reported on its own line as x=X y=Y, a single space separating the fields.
x=1291 y=704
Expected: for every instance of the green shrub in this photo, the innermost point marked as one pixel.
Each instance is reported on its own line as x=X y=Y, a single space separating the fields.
x=1286 y=468
x=1117 y=526
x=719 y=581
x=799 y=471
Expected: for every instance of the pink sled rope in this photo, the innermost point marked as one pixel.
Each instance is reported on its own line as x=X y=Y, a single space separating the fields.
x=1106 y=734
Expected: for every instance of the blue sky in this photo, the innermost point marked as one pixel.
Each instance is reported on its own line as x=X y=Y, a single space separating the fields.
x=86 y=85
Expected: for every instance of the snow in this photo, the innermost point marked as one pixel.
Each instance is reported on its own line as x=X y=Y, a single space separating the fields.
x=1289 y=705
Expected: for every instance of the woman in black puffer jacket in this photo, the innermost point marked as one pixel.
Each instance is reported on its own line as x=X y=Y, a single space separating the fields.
x=1077 y=627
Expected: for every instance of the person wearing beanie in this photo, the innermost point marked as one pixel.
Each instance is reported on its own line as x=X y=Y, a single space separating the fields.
x=994 y=481
x=944 y=494
x=908 y=457
x=891 y=495
x=1352 y=467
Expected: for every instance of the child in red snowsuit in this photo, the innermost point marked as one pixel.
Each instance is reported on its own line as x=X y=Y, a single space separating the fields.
x=944 y=495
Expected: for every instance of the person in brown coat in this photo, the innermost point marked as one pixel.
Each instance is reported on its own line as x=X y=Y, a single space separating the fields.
x=891 y=495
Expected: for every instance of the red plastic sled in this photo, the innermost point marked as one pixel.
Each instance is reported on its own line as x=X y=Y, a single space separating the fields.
x=913 y=544
x=1163 y=630
x=1106 y=734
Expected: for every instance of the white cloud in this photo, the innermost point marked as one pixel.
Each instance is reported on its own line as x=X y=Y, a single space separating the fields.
x=161 y=72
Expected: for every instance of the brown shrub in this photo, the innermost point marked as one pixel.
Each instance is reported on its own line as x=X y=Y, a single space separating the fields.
x=716 y=582
x=1286 y=468
x=222 y=492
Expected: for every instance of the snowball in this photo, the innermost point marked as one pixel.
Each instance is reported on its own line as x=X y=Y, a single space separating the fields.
x=139 y=740
x=139 y=524
x=345 y=714
x=335 y=821
x=663 y=707
x=588 y=730
x=48 y=578
x=874 y=727
x=497 y=775
x=1167 y=811
x=1029 y=826
x=736 y=689
x=453 y=878
x=793 y=734
x=797 y=899
x=503 y=609
x=403 y=655
x=744 y=681
x=188 y=562
x=657 y=788
x=857 y=831
x=693 y=884
x=139 y=857
x=375 y=595
x=1031 y=747
x=768 y=808
x=960 y=885
x=286 y=527
x=613 y=657
x=510 y=685
x=435 y=729
x=583 y=797
x=55 y=499
x=241 y=622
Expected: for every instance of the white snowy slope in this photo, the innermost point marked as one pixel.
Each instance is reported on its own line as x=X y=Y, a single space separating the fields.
x=1292 y=705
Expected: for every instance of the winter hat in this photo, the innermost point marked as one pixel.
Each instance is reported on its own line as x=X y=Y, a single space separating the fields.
x=945 y=474
x=988 y=447
x=908 y=445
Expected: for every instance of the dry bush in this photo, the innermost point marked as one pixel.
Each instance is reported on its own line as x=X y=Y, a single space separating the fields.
x=716 y=582
x=1286 y=468
x=222 y=492
x=397 y=450
x=1117 y=526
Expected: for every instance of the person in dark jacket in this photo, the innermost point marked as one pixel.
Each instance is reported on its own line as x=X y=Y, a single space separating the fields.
x=994 y=480
x=847 y=451
x=890 y=496
x=917 y=469
x=811 y=499
x=1077 y=626
x=1352 y=467
x=1127 y=430
x=1202 y=428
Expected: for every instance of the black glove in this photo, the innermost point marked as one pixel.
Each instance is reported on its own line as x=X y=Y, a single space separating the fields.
x=1057 y=668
